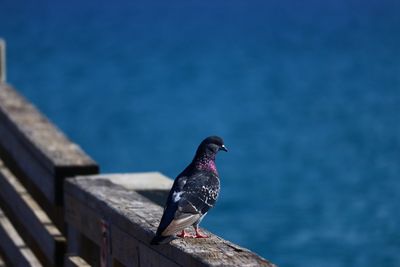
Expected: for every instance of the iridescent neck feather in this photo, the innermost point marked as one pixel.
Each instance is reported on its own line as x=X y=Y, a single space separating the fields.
x=206 y=162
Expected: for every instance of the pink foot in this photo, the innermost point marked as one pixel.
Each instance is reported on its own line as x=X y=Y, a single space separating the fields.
x=183 y=234
x=200 y=235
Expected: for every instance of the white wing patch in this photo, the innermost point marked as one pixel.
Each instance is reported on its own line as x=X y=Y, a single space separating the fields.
x=176 y=196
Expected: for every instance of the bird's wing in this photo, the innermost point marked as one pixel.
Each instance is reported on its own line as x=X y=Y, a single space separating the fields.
x=186 y=206
x=171 y=206
x=200 y=192
x=180 y=222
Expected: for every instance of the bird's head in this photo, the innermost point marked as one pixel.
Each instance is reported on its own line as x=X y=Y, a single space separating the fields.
x=211 y=145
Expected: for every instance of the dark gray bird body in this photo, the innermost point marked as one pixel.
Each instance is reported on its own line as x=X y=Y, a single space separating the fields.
x=193 y=193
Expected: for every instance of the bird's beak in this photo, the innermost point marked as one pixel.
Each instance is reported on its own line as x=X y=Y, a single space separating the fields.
x=223 y=147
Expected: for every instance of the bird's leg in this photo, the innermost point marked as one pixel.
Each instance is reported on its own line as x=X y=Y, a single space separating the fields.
x=199 y=234
x=183 y=234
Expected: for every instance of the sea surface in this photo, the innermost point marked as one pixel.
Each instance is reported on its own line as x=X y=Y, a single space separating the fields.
x=306 y=95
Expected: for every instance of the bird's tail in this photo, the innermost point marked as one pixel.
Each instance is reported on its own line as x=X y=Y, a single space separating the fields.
x=159 y=239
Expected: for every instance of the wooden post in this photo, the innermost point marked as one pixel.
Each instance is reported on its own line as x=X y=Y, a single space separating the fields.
x=2 y=61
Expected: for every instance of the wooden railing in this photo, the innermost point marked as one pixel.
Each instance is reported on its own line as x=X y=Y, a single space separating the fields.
x=56 y=210
x=123 y=219
x=35 y=159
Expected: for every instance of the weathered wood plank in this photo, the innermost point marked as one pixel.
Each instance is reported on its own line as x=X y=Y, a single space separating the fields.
x=12 y=246
x=133 y=220
x=152 y=185
x=51 y=145
x=37 y=147
x=36 y=228
x=75 y=261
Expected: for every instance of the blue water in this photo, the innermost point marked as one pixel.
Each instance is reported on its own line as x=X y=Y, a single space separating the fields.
x=305 y=93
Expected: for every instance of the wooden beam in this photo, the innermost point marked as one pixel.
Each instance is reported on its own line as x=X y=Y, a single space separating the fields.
x=75 y=261
x=37 y=148
x=12 y=246
x=31 y=221
x=133 y=220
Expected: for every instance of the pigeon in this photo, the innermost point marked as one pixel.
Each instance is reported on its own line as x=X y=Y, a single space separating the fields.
x=193 y=194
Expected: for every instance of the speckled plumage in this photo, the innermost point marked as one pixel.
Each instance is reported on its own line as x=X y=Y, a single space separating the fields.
x=193 y=194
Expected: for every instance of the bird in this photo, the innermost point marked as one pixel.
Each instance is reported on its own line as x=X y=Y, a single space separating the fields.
x=193 y=193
